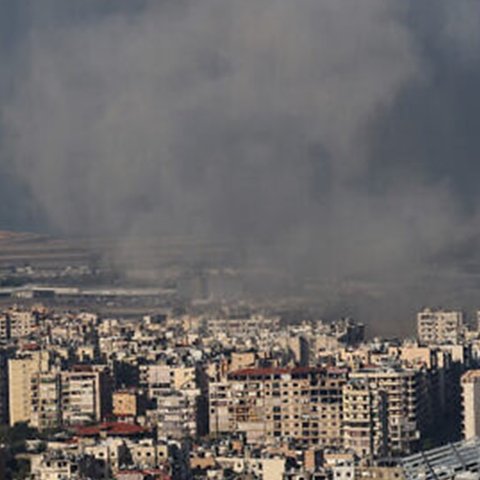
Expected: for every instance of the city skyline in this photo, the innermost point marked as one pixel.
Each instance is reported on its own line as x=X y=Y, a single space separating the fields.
x=239 y=240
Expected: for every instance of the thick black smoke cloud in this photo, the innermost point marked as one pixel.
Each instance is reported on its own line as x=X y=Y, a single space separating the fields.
x=335 y=138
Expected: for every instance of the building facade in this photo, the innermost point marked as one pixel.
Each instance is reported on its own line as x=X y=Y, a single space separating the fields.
x=84 y=396
x=45 y=401
x=471 y=403
x=20 y=373
x=440 y=327
x=16 y=324
x=272 y=405
x=365 y=419
x=406 y=407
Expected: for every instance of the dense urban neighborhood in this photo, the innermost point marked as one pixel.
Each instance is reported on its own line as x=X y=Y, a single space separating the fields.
x=232 y=394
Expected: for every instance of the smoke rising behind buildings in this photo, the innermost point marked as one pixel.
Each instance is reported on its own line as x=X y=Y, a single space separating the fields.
x=334 y=138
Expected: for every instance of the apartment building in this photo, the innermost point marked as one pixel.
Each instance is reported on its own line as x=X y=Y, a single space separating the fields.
x=470 y=382
x=176 y=414
x=85 y=395
x=273 y=405
x=147 y=453
x=56 y=465
x=406 y=404
x=220 y=401
x=45 y=401
x=110 y=453
x=166 y=376
x=346 y=330
x=365 y=419
x=240 y=360
x=442 y=374
x=20 y=372
x=16 y=324
x=264 y=468
x=237 y=326
x=440 y=327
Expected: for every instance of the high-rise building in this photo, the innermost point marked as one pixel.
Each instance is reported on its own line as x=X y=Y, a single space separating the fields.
x=20 y=373
x=365 y=427
x=176 y=414
x=277 y=404
x=85 y=395
x=405 y=402
x=440 y=327
x=45 y=401
x=471 y=403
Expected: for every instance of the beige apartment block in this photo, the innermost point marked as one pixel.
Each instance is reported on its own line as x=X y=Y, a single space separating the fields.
x=166 y=376
x=405 y=401
x=242 y=326
x=440 y=326
x=272 y=405
x=20 y=373
x=264 y=468
x=45 y=407
x=53 y=466
x=379 y=473
x=81 y=397
x=16 y=324
x=241 y=360
x=365 y=427
x=147 y=453
x=220 y=402
x=176 y=414
x=471 y=403
x=413 y=354
x=111 y=453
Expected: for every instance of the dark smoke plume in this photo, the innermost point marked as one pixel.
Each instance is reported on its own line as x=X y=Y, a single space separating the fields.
x=328 y=138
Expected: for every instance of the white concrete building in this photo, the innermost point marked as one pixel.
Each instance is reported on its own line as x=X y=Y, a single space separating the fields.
x=471 y=403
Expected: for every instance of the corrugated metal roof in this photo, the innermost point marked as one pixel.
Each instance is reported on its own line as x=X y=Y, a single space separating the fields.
x=443 y=463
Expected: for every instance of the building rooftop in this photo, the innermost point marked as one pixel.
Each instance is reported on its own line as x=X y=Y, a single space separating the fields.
x=283 y=371
x=110 y=428
x=470 y=375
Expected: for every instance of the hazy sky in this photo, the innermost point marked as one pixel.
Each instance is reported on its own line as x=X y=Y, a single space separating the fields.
x=333 y=136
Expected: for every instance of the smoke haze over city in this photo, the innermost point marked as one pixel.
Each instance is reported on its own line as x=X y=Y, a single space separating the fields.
x=335 y=139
